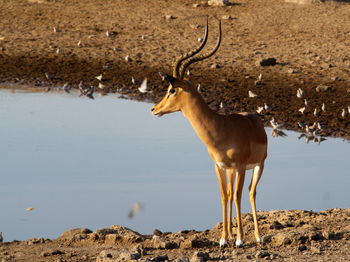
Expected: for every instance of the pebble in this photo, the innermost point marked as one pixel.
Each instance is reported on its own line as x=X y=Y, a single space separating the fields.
x=218 y=2
x=266 y=62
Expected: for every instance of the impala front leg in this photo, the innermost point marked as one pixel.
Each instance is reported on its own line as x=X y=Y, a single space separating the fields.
x=238 y=196
x=221 y=174
x=231 y=180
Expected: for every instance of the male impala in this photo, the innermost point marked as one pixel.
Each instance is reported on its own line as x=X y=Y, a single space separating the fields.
x=235 y=142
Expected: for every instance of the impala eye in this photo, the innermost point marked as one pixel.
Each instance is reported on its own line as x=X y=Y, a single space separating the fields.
x=172 y=91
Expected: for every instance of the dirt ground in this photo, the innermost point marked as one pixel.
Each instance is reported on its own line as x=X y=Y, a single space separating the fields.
x=311 y=44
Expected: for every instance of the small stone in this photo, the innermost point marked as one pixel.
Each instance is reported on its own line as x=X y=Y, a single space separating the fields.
x=276 y=225
x=302 y=248
x=262 y=254
x=170 y=17
x=322 y=88
x=266 y=62
x=316 y=235
x=218 y=2
x=204 y=255
x=161 y=258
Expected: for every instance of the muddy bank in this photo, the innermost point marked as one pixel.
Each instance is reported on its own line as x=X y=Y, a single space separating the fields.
x=287 y=236
x=309 y=43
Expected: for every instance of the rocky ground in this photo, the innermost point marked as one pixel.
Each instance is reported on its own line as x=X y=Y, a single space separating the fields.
x=309 y=42
x=287 y=236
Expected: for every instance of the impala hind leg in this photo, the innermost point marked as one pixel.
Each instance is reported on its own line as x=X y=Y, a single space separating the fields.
x=240 y=174
x=221 y=174
x=257 y=172
x=231 y=180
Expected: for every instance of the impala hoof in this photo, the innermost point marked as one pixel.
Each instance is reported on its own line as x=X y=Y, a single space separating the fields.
x=239 y=243
x=223 y=242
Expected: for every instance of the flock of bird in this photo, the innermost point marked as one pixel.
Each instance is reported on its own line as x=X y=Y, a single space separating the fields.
x=311 y=132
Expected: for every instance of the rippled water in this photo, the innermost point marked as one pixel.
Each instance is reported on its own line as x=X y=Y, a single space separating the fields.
x=84 y=163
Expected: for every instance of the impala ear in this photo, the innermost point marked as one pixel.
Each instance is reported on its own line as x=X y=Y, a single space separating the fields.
x=170 y=79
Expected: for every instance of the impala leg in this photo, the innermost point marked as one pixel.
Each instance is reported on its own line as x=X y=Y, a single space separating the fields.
x=231 y=181
x=257 y=172
x=238 y=196
x=221 y=174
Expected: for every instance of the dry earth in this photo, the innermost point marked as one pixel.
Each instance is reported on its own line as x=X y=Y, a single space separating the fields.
x=309 y=42
x=287 y=236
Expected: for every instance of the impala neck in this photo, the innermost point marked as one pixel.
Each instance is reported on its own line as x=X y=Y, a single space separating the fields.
x=201 y=117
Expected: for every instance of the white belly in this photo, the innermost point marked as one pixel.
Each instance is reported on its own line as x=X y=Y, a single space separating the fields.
x=233 y=165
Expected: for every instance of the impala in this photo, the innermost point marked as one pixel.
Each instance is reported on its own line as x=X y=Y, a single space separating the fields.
x=235 y=142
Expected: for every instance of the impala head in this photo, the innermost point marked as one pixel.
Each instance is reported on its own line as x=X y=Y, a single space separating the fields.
x=174 y=97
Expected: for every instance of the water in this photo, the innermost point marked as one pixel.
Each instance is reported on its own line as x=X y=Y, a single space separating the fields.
x=84 y=163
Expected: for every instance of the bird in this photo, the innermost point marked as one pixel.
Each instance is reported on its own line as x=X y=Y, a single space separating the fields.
x=128 y=58
x=274 y=124
x=134 y=81
x=349 y=109
x=308 y=138
x=55 y=29
x=66 y=87
x=222 y=105
x=200 y=39
x=199 y=88
x=189 y=73
x=300 y=93
x=260 y=109
x=277 y=132
x=58 y=50
x=260 y=77
x=259 y=80
x=79 y=43
x=1 y=238
x=307 y=103
x=108 y=34
x=302 y=110
x=319 y=127
x=301 y=125
x=251 y=94
x=143 y=37
x=316 y=112
x=135 y=208
x=343 y=113
x=29 y=208
x=143 y=87
x=86 y=90
x=162 y=75
x=101 y=86
x=267 y=107
x=48 y=76
x=99 y=78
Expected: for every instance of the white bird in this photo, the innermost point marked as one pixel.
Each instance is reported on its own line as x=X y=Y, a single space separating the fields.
x=29 y=208
x=162 y=75
x=108 y=34
x=55 y=29
x=307 y=103
x=222 y=105
x=48 y=76
x=251 y=94
x=134 y=81
x=343 y=113
x=316 y=112
x=260 y=109
x=267 y=107
x=300 y=93
x=259 y=80
x=308 y=129
x=189 y=73
x=314 y=125
x=99 y=78
x=200 y=39
x=302 y=110
x=135 y=208
x=101 y=86
x=260 y=77
x=319 y=127
x=199 y=88
x=301 y=124
x=79 y=43
x=323 y=107
x=58 y=50
x=66 y=87
x=128 y=58
x=143 y=87
x=143 y=37
x=274 y=124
